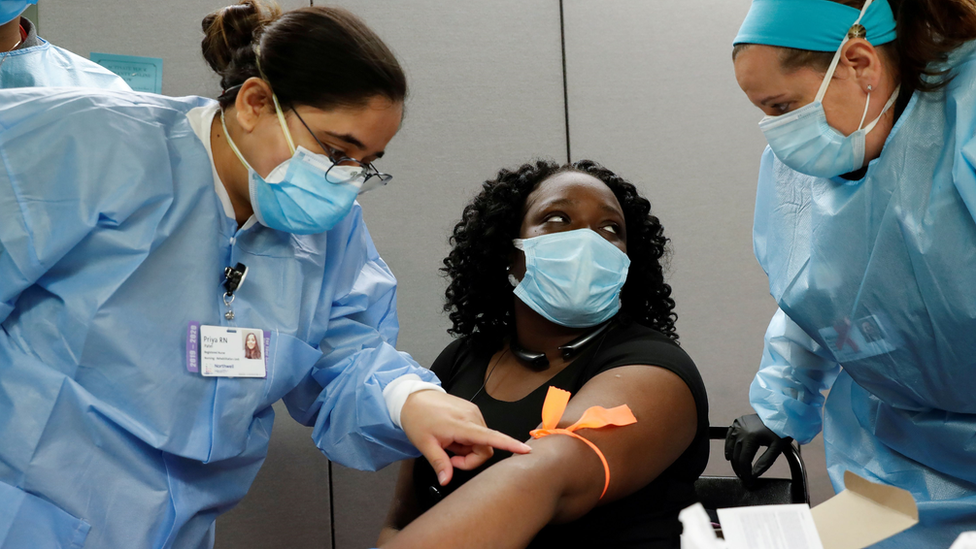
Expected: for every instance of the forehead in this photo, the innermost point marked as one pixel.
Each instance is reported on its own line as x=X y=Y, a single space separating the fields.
x=578 y=189
x=373 y=123
x=760 y=73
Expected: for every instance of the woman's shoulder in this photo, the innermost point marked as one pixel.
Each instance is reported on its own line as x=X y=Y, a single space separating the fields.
x=454 y=356
x=630 y=338
x=630 y=343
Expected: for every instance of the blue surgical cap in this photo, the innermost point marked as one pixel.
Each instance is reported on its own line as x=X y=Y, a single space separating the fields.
x=9 y=9
x=813 y=25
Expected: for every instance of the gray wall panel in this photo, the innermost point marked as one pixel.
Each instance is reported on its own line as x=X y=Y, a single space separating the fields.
x=652 y=95
x=168 y=30
x=288 y=504
x=486 y=93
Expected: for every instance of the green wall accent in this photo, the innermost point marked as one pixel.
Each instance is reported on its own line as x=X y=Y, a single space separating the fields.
x=31 y=13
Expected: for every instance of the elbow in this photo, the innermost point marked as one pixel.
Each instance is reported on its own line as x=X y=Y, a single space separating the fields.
x=563 y=473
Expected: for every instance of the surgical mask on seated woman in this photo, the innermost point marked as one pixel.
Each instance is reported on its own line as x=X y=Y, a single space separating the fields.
x=572 y=278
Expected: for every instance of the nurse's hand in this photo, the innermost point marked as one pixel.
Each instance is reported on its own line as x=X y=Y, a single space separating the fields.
x=746 y=436
x=435 y=422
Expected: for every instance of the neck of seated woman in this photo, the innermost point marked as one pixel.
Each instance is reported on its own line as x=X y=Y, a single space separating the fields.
x=509 y=378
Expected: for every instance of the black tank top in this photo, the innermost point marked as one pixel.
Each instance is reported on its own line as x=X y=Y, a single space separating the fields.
x=648 y=518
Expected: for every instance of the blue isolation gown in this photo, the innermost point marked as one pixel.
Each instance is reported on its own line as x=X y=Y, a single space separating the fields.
x=48 y=65
x=112 y=240
x=876 y=285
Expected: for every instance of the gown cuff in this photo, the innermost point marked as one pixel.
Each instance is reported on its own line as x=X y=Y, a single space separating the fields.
x=397 y=391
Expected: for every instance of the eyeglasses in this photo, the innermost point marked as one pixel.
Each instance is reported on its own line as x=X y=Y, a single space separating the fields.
x=372 y=178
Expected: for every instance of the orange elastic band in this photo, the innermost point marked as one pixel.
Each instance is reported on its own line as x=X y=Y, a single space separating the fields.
x=594 y=417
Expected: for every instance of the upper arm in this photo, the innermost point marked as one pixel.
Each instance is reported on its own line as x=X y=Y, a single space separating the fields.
x=364 y=288
x=506 y=505
x=404 y=507
x=667 y=422
x=444 y=364
x=342 y=395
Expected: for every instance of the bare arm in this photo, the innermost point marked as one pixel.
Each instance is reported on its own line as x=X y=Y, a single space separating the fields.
x=436 y=422
x=561 y=480
x=404 y=508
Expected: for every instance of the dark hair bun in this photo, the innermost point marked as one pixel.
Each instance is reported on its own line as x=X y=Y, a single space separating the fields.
x=230 y=32
x=316 y=55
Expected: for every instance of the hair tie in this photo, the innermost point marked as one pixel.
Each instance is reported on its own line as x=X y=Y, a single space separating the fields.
x=229 y=91
x=595 y=417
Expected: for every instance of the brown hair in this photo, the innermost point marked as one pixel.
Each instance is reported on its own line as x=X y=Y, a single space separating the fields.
x=325 y=57
x=928 y=30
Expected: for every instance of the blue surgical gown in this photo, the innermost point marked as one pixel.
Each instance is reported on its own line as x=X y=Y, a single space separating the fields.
x=876 y=285
x=48 y=65
x=112 y=240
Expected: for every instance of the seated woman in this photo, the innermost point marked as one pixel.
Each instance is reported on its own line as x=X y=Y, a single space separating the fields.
x=556 y=280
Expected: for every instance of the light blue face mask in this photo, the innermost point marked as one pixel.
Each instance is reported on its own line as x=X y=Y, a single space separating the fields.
x=804 y=141
x=9 y=9
x=296 y=197
x=572 y=278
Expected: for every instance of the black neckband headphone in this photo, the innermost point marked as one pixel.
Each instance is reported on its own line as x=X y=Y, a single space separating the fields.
x=539 y=362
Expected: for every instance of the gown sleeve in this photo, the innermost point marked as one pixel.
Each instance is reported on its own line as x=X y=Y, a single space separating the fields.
x=787 y=390
x=342 y=396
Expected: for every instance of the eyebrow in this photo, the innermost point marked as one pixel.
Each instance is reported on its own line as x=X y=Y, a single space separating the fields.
x=565 y=201
x=349 y=138
x=610 y=209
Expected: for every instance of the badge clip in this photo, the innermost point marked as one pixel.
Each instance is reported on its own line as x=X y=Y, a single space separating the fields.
x=233 y=279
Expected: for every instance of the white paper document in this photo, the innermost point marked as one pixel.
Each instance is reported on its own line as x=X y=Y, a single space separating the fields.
x=769 y=527
x=696 y=529
x=966 y=540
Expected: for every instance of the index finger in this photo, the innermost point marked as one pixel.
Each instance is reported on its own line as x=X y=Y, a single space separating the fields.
x=474 y=435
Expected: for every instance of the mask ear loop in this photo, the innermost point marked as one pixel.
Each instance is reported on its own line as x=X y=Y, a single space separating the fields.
x=274 y=97
x=230 y=142
x=284 y=125
x=833 y=62
x=891 y=101
x=867 y=105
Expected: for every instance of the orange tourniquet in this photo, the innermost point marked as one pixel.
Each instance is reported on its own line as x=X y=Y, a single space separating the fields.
x=594 y=417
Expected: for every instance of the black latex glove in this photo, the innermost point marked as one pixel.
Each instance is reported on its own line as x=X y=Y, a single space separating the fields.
x=742 y=444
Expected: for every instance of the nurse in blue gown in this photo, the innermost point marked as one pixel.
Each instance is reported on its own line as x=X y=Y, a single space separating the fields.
x=27 y=60
x=865 y=223
x=118 y=215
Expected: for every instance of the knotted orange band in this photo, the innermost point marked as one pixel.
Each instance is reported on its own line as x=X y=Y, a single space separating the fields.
x=594 y=417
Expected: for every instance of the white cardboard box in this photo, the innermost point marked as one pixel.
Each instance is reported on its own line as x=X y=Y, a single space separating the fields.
x=863 y=514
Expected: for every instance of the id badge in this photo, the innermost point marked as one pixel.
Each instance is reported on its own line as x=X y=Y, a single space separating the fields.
x=225 y=351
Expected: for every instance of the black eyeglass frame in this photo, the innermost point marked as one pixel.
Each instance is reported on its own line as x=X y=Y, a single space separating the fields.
x=373 y=178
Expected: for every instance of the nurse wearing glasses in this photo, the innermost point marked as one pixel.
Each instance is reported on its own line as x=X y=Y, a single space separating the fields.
x=142 y=237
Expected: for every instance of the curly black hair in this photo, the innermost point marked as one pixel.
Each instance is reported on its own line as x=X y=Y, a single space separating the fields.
x=480 y=302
